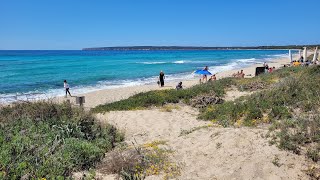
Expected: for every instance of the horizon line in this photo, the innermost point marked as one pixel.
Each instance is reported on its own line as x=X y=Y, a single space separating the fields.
x=164 y=46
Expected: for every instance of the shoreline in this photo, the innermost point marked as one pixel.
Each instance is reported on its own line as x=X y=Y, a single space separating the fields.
x=35 y=90
x=99 y=97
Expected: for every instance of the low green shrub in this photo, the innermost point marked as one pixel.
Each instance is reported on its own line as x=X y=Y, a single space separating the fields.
x=47 y=140
x=298 y=134
x=161 y=97
x=314 y=153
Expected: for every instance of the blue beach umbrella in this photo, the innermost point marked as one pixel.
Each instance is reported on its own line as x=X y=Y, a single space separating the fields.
x=202 y=72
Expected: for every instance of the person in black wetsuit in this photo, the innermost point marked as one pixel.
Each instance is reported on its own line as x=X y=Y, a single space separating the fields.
x=161 y=78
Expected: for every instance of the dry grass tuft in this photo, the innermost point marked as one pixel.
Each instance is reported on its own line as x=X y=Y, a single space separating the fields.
x=169 y=108
x=138 y=162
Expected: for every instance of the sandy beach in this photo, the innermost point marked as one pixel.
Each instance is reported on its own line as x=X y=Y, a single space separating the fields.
x=111 y=95
x=208 y=153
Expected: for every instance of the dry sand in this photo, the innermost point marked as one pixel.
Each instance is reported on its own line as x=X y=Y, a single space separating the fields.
x=243 y=153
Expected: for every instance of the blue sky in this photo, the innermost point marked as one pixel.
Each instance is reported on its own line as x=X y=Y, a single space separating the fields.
x=74 y=24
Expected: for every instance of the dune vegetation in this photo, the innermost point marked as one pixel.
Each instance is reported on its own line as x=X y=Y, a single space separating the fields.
x=288 y=100
x=47 y=140
x=290 y=105
x=161 y=97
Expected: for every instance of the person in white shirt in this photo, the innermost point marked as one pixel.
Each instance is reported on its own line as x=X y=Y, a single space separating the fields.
x=66 y=87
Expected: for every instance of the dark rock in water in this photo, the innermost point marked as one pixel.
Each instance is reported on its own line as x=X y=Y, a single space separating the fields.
x=203 y=101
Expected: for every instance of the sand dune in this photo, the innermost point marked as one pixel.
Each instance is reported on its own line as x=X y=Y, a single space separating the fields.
x=210 y=153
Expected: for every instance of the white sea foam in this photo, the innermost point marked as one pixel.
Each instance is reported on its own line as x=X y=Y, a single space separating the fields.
x=152 y=62
x=246 y=60
x=278 y=55
x=179 y=62
x=162 y=62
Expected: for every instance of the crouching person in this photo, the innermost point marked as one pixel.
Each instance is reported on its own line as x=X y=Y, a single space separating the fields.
x=179 y=86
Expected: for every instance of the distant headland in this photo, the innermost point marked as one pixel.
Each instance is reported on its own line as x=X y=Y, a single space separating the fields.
x=147 y=48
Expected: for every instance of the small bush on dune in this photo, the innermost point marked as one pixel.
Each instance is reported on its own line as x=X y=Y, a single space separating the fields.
x=47 y=140
x=293 y=134
x=141 y=161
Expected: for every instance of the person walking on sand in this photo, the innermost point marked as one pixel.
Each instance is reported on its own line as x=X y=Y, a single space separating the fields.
x=66 y=87
x=161 y=78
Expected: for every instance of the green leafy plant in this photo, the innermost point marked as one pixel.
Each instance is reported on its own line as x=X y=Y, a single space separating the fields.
x=47 y=140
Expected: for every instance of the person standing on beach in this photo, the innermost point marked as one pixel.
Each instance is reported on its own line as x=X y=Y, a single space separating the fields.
x=66 y=87
x=205 y=76
x=161 y=78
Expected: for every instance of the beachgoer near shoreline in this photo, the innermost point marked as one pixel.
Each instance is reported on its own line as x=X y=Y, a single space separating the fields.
x=236 y=74
x=270 y=70
x=179 y=86
x=241 y=75
x=213 y=78
x=161 y=78
x=301 y=59
x=66 y=87
x=205 y=76
x=296 y=63
x=307 y=63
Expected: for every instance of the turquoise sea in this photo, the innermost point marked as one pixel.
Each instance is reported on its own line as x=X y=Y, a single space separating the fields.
x=41 y=73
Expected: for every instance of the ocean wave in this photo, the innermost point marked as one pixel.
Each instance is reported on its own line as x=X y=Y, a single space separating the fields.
x=77 y=90
x=162 y=62
x=279 y=55
x=152 y=62
x=246 y=60
x=28 y=96
x=179 y=62
x=226 y=67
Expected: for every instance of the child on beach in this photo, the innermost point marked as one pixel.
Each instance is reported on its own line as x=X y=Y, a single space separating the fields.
x=66 y=87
